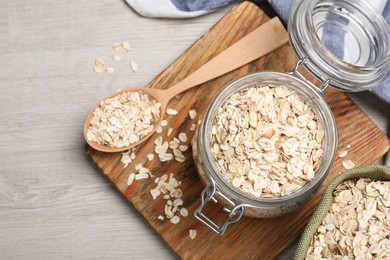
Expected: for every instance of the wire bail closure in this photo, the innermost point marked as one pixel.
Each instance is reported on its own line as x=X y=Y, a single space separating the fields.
x=324 y=81
x=235 y=214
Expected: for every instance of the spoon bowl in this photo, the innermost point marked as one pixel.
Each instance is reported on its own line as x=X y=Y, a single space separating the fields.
x=156 y=94
x=268 y=37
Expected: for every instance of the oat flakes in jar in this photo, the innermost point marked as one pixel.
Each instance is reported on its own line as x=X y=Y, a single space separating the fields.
x=268 y=139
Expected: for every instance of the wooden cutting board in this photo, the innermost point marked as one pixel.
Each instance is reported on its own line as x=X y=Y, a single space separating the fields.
x=249 y=238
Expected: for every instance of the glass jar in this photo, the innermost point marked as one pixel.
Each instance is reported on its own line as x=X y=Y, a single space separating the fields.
x=362 y=64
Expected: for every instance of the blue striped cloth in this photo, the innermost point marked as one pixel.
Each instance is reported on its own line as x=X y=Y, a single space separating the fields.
x=192 y=8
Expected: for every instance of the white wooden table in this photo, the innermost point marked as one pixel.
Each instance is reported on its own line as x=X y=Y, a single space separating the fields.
x=54 y=203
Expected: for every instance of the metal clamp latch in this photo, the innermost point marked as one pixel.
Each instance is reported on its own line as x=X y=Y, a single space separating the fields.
x=324 y=84
x=235 y=214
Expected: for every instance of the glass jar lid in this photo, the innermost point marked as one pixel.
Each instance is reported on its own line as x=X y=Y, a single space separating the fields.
x=344 y=42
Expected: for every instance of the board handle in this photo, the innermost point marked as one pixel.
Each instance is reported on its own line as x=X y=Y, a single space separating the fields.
x=235 y=214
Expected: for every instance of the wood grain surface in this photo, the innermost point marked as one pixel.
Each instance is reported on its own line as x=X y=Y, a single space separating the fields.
x=249 y=238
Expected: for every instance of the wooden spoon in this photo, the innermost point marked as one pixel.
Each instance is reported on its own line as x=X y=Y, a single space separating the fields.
x=256 y=44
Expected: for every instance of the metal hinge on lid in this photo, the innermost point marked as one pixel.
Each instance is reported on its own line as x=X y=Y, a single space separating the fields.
x=324 y=81
x=235 y=213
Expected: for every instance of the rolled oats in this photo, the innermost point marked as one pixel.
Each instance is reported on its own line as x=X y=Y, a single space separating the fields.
x=126 y=45
x=169 y=187
x=192 y=113
x=134 y=65
x=98 y=69
x=150 y=157
x=128 y=157
x=169 y=132
x=183 y=137
x=100 y=63
x=192 y=233
x=175 y=220
x=180 y=158
x=184 y=212
x=123 y=120
x=267 y=141
x=172 y=112
x=165 y=157
x=117 y=58
x=159 y=129
x=342 y=154
x=141 y=176
x=130 y=179
x=155 y=193
x=193 y=127
x=183 y=148
x=174 y=144
x=117 y=45
x=357 y=224
x=347 y=164
x=121 y=45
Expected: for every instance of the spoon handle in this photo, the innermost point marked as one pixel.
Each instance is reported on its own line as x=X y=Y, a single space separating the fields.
x=261 y=41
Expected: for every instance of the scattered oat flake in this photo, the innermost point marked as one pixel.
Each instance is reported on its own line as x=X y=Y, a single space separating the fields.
x=150 y=157
x=116 y=58
x=134 y=65
x=193 y=127
x=173 y=144
x=172 y=112
x=183 y=148
x=141 y=169
x=164 y=123
x=347 y=164
x=183 y=137
x=98 y=69
x=117 y=45
x=161 y=148
x=184 y=212
x=155 y=193
x=110 y=70
x=175 y=220
x=192 y=113
x=159 y=129
x=192 y=233
x=160 y=217
x=348 y=146
x=158 y=141
x=141 y=176
x=180 y=158
x=177 y=153
x=126 y=159
x=165 y=157
x=343 y=154
x=126 y=45
x=130 y=179
x=170 y=130
x=100 y=63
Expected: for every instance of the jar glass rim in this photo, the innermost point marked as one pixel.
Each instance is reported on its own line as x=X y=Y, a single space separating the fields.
x=326 y=52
